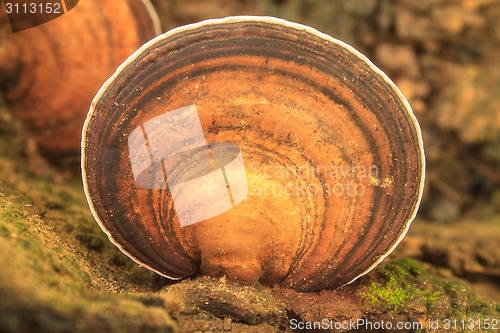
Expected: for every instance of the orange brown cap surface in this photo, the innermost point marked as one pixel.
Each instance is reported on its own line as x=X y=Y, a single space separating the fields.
x=332 y=157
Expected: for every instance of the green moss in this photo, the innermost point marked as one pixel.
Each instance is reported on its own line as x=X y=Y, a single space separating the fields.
x=430 y=296
x=25 y=200
x=405 y=267
x=4 y=231
x=20 y=227
x=452 y=286
x=56 y=249
x=407 y=284
x=89 y=237
x=394 y=294
x=53 y=281
x=391 y=294
x=12 y=213
x=477 y=300
x=400 y=287
x=65 y=198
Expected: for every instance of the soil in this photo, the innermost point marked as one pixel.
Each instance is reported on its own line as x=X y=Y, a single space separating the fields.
x=60 y=273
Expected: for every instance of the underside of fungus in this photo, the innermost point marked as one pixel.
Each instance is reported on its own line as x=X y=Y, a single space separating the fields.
x=254 y=148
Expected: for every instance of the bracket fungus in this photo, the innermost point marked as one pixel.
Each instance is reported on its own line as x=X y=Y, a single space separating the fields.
x=255 y=148
x=50 y=73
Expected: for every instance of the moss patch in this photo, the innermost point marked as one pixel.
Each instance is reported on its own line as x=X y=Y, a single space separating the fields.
x=399 y=287
x=4 y=231
x=48 y=286
x=405 y=288
x=394 y=294
x=12 y=212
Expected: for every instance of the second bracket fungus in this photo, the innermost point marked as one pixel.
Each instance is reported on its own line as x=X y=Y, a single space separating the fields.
x=50 y=73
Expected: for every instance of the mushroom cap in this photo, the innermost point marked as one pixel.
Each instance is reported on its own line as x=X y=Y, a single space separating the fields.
x=333 y=155
x=61 y=64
